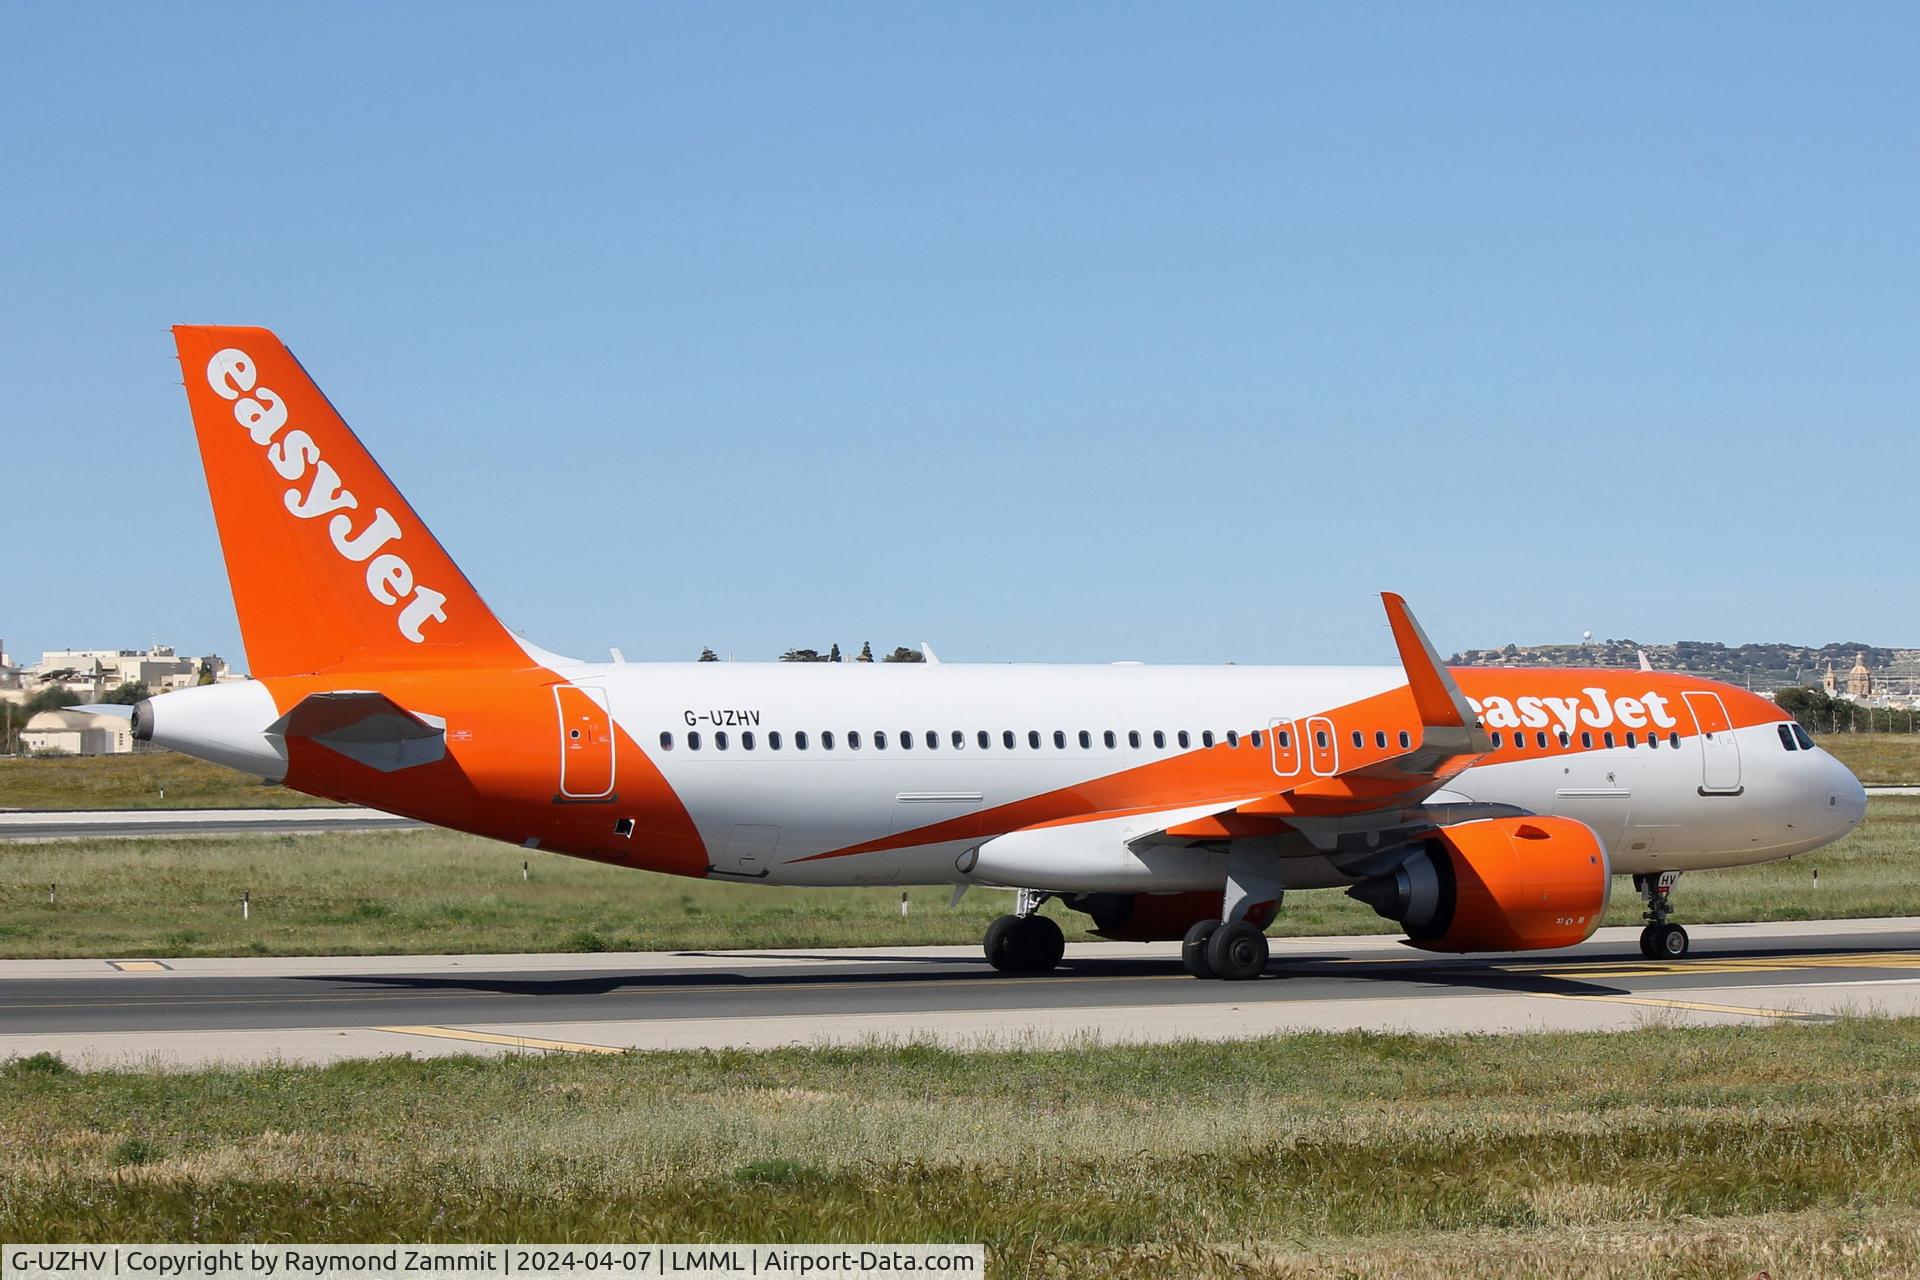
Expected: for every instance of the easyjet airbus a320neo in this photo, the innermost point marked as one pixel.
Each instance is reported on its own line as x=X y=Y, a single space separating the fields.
x=1479 y=810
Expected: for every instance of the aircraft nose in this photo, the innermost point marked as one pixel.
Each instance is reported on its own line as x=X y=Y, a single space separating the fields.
x=1846 y=798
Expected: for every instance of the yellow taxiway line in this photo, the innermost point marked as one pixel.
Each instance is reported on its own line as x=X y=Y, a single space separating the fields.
x=516 y=1042
x=1696 y=1006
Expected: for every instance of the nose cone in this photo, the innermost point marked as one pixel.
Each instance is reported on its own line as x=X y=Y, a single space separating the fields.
x=1846 y=798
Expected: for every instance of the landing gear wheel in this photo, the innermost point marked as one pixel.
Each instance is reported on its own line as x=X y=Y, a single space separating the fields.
x=1024 y=944
x=1237 y=952
x=1646 y=942
x=1193 y=948
x=1669 y=941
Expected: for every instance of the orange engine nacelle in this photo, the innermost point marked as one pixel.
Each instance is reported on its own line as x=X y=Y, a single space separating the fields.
x=1505 y=884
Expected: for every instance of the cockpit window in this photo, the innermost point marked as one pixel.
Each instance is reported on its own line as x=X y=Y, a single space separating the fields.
x=1786 y=737
x=1806 y=743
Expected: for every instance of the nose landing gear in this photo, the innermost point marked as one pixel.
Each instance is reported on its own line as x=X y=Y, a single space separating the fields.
x=1660 y=940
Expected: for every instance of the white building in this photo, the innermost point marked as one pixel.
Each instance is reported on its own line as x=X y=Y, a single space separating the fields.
x=77 y=733
x=88 y=675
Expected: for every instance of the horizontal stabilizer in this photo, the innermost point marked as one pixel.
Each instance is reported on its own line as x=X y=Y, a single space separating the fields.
x=366 y=727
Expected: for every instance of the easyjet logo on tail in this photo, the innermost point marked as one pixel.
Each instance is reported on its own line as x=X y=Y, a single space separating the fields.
x=262 y=412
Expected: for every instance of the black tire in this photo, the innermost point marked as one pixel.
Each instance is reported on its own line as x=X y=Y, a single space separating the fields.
x=1647 y=948
x=1237 y=952
x=1041 y=945
x=1193 y=947
x=1002 y=943
x=1672 y=942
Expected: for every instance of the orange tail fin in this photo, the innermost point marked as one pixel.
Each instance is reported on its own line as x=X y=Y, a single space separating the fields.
x=331 y=569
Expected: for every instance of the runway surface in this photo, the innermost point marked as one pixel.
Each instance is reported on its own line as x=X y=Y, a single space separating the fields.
x=79 y=824
x=99 y=1012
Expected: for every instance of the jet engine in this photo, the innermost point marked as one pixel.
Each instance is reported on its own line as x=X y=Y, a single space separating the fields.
x=1505 y=884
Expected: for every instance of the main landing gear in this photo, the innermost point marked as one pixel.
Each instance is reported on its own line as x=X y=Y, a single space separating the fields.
x=1235 y=948
x=1660 y=940
x=1026 y=941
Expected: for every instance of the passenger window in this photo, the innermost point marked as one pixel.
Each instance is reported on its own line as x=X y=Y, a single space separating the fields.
x=1609 y=738
x=1206 y=737
x=666 y=741
x=1254 y=737
x=1159 y=739
x=960 y=740
x=1565 y=741
x=1133 y=739
x=1109 y=739
x=800 y=740
x=1806 y=743
x=1359 y=738
x=933 y=740
x=1586 y=739
x=879 y=739
x=1540 y=740
x=1007 y=739
x=1405 y=740
x=1320 y=739
x=720 y=740
x=985 y=739
x=1786 y=738
x=1380 y=739
x=693 y=741
x=853 y=739
x=1519 y=742
x=746 y=740
x=773 y=740
x=1633 y=739
x=1282 y=737
x=1033 y=739
x=1653 y=741
x=826 y=739
x=1060 y=739
x=1496 y=739
x=1086 y=739
x=906 y=739
x=1233 y=737
x=1673 y=739
x=1184 y=740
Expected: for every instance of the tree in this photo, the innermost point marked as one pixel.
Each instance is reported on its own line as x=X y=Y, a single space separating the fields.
x=206 y=673
x=866 y=651
x=802 y=655
x=129 y=693
x=708 y=655
x=904 y=654
x=835 y=655
x=16 y=717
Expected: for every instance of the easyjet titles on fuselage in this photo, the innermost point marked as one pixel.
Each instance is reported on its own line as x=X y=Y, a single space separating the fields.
x=1595 y=708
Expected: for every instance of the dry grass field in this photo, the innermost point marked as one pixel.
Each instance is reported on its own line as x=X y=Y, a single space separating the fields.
x=437 y=891
x=1878 y=759
x=144 y=780
x=1663 y=1152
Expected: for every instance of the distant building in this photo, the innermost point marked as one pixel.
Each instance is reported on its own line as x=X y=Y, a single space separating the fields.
x=88 y=675
x=1860 y=679
x=77 y=733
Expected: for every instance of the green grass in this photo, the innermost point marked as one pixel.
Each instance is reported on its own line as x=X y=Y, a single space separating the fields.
x=1710 y=1151
x=1878 y=759
x=143 y=780
x=440 y=892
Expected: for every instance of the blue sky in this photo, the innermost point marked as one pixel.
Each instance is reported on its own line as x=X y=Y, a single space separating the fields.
x=1039 y=332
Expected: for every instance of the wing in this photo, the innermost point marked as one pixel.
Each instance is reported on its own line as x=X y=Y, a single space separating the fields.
x=1394 y=789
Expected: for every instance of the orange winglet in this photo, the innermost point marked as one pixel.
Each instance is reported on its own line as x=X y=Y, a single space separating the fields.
x=1434 y=693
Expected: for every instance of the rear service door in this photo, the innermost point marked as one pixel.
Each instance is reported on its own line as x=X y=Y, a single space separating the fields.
x=1719 y=753
x=586 y=743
